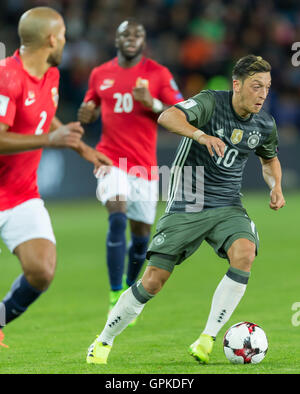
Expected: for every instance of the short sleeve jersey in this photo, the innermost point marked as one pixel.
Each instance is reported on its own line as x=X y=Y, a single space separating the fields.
x=129 y=129
x=27 y=106
x=199 y=181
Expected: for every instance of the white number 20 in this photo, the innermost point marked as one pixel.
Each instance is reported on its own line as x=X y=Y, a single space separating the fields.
x=39 y=130
x=124 y=102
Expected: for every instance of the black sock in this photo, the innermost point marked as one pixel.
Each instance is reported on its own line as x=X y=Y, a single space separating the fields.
x=20 y=296
x=137 y=254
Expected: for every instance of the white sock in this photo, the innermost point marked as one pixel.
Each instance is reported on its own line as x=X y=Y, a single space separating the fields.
x=126 y=309
x=225 y=299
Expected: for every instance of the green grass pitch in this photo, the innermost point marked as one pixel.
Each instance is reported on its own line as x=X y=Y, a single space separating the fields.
x=54 y=334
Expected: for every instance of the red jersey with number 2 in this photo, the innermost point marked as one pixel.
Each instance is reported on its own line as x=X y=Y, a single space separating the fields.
x=27 y=106
x=129 y=129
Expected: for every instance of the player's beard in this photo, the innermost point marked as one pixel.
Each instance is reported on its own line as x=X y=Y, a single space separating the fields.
x=54 y=59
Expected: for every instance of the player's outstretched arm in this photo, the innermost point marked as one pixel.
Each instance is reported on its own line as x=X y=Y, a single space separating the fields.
x=174 y=120
x=92 y=155
x=272 y=175
x=67 y=136
x=85 y=151
x=88 y=112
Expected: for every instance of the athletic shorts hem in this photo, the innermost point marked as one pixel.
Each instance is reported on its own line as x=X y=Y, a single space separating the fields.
x=158 y=262
x=227 y=244
x=141 y=219
x=13 y=246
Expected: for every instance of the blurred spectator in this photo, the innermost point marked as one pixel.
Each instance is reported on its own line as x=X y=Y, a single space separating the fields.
x=198 y=40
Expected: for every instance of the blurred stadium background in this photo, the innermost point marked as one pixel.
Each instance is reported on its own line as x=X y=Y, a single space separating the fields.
x=199 y=40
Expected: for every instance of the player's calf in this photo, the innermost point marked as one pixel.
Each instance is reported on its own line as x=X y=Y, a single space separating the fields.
x=38 y=260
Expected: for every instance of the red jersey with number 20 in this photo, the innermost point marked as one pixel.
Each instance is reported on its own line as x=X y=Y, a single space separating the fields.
x=129 y=129
x=27 y=106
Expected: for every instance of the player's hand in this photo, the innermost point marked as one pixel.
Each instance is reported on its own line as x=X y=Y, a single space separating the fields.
x=277 y=199
x=213 y=144
x=94 y=156
x=141 y=93
x=100 y=172
x=66 y=136
x=87 y=112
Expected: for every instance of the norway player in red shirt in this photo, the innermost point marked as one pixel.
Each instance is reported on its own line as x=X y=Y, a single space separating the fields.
x=131 y=91
x=28 y=101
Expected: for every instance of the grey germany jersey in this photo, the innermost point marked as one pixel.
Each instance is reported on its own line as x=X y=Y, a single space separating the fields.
x=199 y=181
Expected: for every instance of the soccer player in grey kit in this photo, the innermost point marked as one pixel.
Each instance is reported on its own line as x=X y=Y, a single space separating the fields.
x=220 y=129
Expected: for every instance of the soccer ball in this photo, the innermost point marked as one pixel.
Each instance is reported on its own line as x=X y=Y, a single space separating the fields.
x=245 y=343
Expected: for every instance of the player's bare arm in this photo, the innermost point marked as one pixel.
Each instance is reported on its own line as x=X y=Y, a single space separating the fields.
x=67 y=136
x=88 y=112
x=92 y=155
x=174 y=120
x=272 y=175
x=13 y=142
x=86 y=152
x=55 y=124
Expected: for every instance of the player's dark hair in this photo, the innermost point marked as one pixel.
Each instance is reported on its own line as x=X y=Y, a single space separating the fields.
x=250 y=65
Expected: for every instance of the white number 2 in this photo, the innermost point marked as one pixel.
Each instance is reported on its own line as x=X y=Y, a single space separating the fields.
x=39 y=130
x=124 y=102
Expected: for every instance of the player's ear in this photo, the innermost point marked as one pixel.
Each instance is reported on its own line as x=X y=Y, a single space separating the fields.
x=52 y=40
x=236 y=84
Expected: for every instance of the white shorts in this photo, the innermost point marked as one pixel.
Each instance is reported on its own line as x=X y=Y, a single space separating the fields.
x=140 y=194
x=26 y=221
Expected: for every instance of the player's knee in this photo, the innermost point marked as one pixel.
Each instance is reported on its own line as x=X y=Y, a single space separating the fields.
x=42 y=272
x=242 y=254
x=244 y=258
x=154 y=279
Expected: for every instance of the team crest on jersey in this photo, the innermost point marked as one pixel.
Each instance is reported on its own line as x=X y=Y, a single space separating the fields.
x=236 y=136
x=159 y=239
x=55 y=96
x=254 y=138
x=142 y=83
x=106 y=84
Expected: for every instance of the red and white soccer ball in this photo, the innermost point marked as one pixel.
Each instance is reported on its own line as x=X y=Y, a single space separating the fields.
x=245 y=343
